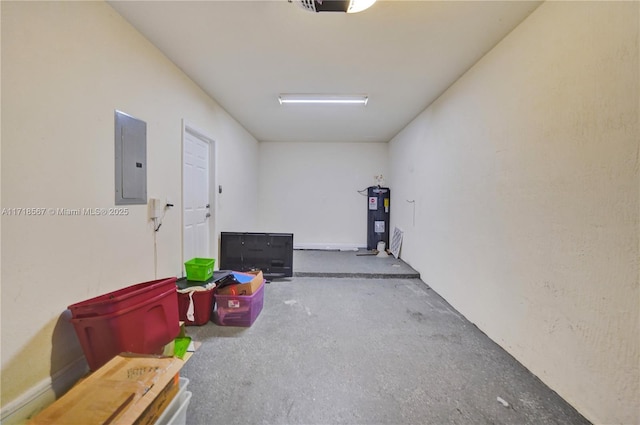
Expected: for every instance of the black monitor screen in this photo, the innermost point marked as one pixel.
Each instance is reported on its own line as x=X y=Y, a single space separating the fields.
x=270 y=252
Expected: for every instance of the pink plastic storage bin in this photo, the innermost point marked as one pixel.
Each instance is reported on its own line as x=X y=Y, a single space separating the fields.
x=143 y=328
x=238 y=310
x=121 y=299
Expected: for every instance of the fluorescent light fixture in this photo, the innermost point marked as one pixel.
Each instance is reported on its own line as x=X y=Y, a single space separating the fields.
x=324 y=99
x=356 y=6
x=349 y=6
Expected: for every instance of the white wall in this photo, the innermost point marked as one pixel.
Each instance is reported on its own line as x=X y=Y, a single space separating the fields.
x=311 y=190
x=525 y=177
x=66 y=67
x=524 y=174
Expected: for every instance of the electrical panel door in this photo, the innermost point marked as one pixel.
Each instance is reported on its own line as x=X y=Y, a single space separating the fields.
x=130 y=160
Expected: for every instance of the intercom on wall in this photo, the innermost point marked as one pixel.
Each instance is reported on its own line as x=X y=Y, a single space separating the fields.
x=156 y=207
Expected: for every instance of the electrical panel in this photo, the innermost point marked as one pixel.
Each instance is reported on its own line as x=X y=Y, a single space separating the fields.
x=130 y=160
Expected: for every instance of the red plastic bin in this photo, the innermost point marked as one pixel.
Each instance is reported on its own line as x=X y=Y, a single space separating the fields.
x=202 y=306
x=238 y=310
x=143 y=328
x=115 y=301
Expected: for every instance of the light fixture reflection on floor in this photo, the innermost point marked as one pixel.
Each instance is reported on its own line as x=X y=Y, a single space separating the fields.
x=336 y=99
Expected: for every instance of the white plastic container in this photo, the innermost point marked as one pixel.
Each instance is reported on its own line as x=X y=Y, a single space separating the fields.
x=180 y=416
x=174 y=406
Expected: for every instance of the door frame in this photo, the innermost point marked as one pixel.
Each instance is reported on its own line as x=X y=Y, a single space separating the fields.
x=188 y=128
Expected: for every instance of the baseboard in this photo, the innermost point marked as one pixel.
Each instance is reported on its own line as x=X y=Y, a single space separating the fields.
x=32 y=401
x=328 y=246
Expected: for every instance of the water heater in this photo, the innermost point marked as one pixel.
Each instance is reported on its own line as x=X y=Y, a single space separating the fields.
x=378 y=207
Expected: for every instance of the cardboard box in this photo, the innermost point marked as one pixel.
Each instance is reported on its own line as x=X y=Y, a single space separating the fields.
x=243 y=288
x=126 y=390
x=160 y=402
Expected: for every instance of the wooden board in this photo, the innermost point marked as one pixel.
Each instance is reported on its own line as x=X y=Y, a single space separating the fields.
x=100 y=403
x=126 y=390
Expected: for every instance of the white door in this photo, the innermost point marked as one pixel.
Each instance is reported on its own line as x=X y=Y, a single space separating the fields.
x=195 y=196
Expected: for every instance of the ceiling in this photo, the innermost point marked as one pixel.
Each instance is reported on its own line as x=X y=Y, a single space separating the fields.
x=402 y=54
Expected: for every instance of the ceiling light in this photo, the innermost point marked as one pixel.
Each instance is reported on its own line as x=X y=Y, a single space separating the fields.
x=324 y=98
x=356 y=6
x=349 y=6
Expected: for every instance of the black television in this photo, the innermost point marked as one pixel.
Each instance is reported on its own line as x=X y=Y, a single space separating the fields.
x=270 y=252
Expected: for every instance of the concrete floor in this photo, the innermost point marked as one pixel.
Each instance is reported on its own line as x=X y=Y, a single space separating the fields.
x=356 y=350
x=309 y=263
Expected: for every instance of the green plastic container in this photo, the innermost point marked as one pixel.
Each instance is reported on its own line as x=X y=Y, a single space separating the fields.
x=199 y=269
